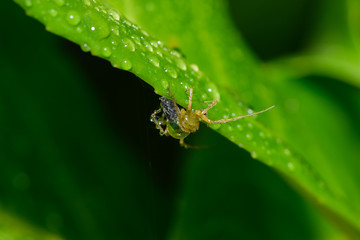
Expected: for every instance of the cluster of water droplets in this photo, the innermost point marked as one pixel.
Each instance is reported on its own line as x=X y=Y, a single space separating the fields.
x=105 y=33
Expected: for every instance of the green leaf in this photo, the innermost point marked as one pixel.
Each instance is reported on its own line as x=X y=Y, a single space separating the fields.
x=285 y=138
x=334 y=47
x=12 y=227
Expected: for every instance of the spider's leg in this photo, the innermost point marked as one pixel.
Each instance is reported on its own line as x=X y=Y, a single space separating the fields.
x=190 y=99
x=183 y=144
x=207 y=120
x=155 y=119
x=213 y=103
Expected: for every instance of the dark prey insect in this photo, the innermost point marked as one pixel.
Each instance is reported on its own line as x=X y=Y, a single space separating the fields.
x=179 y=123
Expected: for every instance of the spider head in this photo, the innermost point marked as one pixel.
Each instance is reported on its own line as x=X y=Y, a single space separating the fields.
x=188 y=121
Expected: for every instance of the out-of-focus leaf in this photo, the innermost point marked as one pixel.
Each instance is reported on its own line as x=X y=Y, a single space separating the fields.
x=13 y=228
x=334 y=47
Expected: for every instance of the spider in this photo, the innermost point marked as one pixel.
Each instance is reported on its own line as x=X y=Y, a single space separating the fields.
x=181 y=122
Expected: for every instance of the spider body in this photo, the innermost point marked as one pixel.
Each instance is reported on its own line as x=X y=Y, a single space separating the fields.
x=181 y=122
x=171 y=119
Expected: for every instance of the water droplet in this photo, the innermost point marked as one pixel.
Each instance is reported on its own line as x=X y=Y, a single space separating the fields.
x=229 y=128
x=144 y=32
x=160 y=43
x=86 y=2
x=250 y=125
x=126 y=65
x=73 y=18
x=261 y=134
x=53 y=12
x=129 y=44
x=79 y=29
x=100 y=29
x=238 y=126
x=253 y=154
x=204 y=96
x=115 y=30
x=168 y=59
x=215 y=126
x=154 y=43
x=240 y=145
x=232 y=137
x=181 y=64
x=136 y=40
x=165 y=84
x=249 y=136
x=85 y=47
x=59 y=2
x=114 y=14
x=106 y=52
x=291 y=166
x=28 y=3
x=194 y=67
x=233 y=114
x=159 y=53
x=287 y=152
x=171 y=71
x=148 y=46
x=154 y=60
x=250 y=111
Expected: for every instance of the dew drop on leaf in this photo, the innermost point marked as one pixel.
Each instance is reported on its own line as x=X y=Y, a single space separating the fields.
x=171 y=71
x=290 y=165
x=85 y=47
x=73 y=18
x=114 y=14
x=287 y=152
x=194 y=67
x=99 y=29
x=159 y=53
x=86 y=2
x=154 y=60
x=28 y=3
x=60 y=3
x=165 y=84
x=106 y=52
x=181 y=64
x=126 y=65
x=154 y=43
x=215 y=126
x=148 y=46
x=249 y=136
x=129 y=44
x=53 y=12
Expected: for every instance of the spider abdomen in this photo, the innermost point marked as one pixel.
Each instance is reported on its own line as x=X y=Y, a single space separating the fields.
x=189 y=121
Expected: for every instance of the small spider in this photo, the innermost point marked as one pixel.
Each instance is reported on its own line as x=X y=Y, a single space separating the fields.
x=181 y=122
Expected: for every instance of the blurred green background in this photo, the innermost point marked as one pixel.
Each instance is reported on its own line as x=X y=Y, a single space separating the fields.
x=81 y=160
